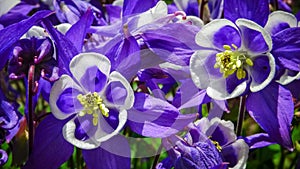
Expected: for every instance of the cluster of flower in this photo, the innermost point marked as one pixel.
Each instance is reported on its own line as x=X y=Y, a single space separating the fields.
x=99 y=79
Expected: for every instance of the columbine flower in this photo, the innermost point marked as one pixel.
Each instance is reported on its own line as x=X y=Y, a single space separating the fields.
x=208 y=144
x=95 y=98
x=233 y=56
x=29 y=52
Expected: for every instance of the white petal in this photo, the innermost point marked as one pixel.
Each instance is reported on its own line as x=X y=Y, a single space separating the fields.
x=63 y=28
x=117 y=77
x=81 y=62
x=217 y=90
x=102 y=135
x=205 y=36
x=199 y=72
x=254 y=26
x=243 y=154
x=69 y=134
x=255 y=87
x=59 y=86
x=286 y=79
x=278 y=17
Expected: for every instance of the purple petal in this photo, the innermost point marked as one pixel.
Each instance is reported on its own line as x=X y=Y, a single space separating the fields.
x=153 y=117
x=131 y=7
x=65 y=48
x=48 y=141
x=93 y=80
x=236 y=154
x=180 y=40
x=255 y=10
x=127 y=61
x=226 y=35
x=258 y=140
x=255 y=38
x=116 y=93
x=273 y=109
x=77 y=32
x=112 y=154
x=260 y=69
x=12 y=33
x=68 y=102
x=287 y=48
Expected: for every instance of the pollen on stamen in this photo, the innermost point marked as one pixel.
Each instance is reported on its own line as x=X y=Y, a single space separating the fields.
x=92 y=104
x=232 y=61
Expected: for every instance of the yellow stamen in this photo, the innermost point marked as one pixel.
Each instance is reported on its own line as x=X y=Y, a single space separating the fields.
x=232 y=61
x=92 y=102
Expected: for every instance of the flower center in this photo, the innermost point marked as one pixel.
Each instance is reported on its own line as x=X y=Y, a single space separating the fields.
x=231 y=61
x=91 y=103
x=219 y=148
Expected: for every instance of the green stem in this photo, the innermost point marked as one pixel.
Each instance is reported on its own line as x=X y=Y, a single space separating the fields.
x=241 y=115
x=155 y=161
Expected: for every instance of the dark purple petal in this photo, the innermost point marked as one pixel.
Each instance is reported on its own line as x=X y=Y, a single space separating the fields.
x=260 y=69
x=12 y=33
x=84 y=127
x=258 y=140
x=273 y=109
x=116 y=93
x=77 y=32
x=93 y=80
x=112 y=154
x=65 y=48
x=232 y=82
x=51 y=150
x=131 y=7
x=253 y=40
x=227 y=35
x=255 y=10
x=68 y=102
x=156 y=118
x=236 y=154
x=286 y=48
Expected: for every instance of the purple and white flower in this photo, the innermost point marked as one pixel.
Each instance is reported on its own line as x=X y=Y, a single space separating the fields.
x=90 y=97
x=234 y=56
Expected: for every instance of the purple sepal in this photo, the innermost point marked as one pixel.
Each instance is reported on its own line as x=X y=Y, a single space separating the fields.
x=65 y=48
x=112 y=154
x=113 y=12
x=180 y=40
x=255 y=10
x=153 y=117
x=131 y=7
x=127 y=61
x=48 y=141
x=12 y=33
x=258 y=140
x=286 y=48
x=216 y=8
x=273 y=109
x=77 y=32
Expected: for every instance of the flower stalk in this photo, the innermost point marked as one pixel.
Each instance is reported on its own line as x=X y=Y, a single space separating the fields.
x=241 y=116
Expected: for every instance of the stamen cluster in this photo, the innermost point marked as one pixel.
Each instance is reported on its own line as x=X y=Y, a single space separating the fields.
x=91 y=103
x=231 y=61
